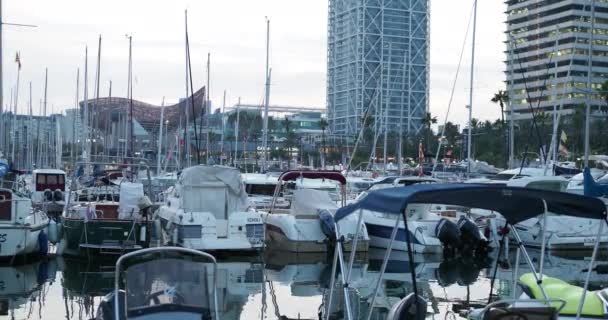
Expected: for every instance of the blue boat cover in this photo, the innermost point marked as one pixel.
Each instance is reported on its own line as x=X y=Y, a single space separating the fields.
x=514 y=203
x=592 y=188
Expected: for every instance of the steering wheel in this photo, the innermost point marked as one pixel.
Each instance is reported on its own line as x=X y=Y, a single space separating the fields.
x=154 y=297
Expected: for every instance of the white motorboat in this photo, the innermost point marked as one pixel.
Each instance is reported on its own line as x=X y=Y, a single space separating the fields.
x=308 y=225
x=562 y=232
x=576 y=182
x=208 y=210
x=22 y=229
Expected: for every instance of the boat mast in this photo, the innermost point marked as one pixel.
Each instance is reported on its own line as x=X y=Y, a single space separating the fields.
x=266 y=101
x=95 y=114
x=589 y=71
x=207 y=107
x=222 y=135
x=75 y=114
x=30 y=137
x=85 y=118
x=130 y=94
x=236 y=132
x=14 y=131
x=386 y=105
x=160 y=137
x=511 y=114
x=469 y=133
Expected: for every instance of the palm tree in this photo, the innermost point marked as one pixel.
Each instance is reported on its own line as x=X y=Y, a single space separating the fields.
x=501 y=98
x=427 y=121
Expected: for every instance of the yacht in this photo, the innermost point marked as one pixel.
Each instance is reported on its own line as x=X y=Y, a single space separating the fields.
x=208 y=209
x=106 y=219
x=307 y=225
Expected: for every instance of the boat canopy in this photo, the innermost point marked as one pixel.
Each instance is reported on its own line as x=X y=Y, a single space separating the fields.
x=330 y=175
x=514 y=203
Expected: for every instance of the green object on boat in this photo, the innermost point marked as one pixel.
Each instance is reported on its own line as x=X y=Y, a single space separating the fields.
x=559 y=289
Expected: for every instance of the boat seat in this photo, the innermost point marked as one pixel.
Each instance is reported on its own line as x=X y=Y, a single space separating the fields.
x=559 y=289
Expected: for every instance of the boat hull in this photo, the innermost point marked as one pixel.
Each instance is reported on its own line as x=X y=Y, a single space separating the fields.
x=420 y=234
x=19 y=240
x=102 y=237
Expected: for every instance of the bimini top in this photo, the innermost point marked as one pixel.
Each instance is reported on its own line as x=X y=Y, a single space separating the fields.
x=514 y=203
x=329 y=175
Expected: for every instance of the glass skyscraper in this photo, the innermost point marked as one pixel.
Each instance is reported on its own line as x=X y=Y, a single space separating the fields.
x=378 y=64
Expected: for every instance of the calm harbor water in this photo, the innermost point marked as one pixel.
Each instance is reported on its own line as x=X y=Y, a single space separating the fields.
x=281 y=285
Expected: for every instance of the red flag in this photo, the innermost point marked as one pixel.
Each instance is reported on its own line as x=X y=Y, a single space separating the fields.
x=18 y=60
x=449 y=153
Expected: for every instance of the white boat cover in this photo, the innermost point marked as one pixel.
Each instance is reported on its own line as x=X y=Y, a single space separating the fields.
x=130 y=193
x=215 y=189
x=308 y=201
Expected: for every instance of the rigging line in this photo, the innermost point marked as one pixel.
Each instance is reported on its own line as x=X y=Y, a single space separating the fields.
x=530 y=106
x=464 y=42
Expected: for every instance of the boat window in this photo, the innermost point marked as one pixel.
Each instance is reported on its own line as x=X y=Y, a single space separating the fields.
x=260 y=189
x=549 y=185
x=206 y=199
x=50 y=181
x=177 y=282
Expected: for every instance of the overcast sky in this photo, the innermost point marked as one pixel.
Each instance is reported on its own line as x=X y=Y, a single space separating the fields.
x=234 y=32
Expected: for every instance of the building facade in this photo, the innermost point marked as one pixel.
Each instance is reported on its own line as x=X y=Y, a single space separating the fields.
x=548 y=46
x=378 y=64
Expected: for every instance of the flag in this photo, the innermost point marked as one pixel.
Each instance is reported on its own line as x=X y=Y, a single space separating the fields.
x=449 y=153
x=563 y=138
x=18 y=60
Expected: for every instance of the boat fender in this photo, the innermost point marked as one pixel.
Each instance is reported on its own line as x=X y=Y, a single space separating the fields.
x=43 y=243
x=52 y=230
x=412 y=307
x=175 y=236
x=469 y=231
x=156 y=228
x=59 y=230
x=142 y=233
x=48 y=195
x=448 y=233
x=328 y=224
x=57 y=195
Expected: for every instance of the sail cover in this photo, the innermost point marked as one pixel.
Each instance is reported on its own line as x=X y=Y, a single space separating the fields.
x=514 y=203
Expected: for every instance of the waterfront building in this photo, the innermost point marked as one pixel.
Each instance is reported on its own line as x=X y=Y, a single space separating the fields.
x=548 y=46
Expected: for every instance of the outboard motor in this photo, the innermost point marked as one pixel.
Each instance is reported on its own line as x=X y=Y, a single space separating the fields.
x=473 y=241
x=328 y=224
x=449 y=234
x=411 y=307
x=48 y=195
x=57 y=195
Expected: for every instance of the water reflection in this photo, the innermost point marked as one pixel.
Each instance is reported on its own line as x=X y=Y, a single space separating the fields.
x=287 y=286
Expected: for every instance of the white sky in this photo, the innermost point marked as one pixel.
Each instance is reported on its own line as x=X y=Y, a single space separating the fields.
x=234 y=32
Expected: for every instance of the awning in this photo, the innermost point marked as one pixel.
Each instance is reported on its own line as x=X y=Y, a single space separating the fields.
x=514 y=203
